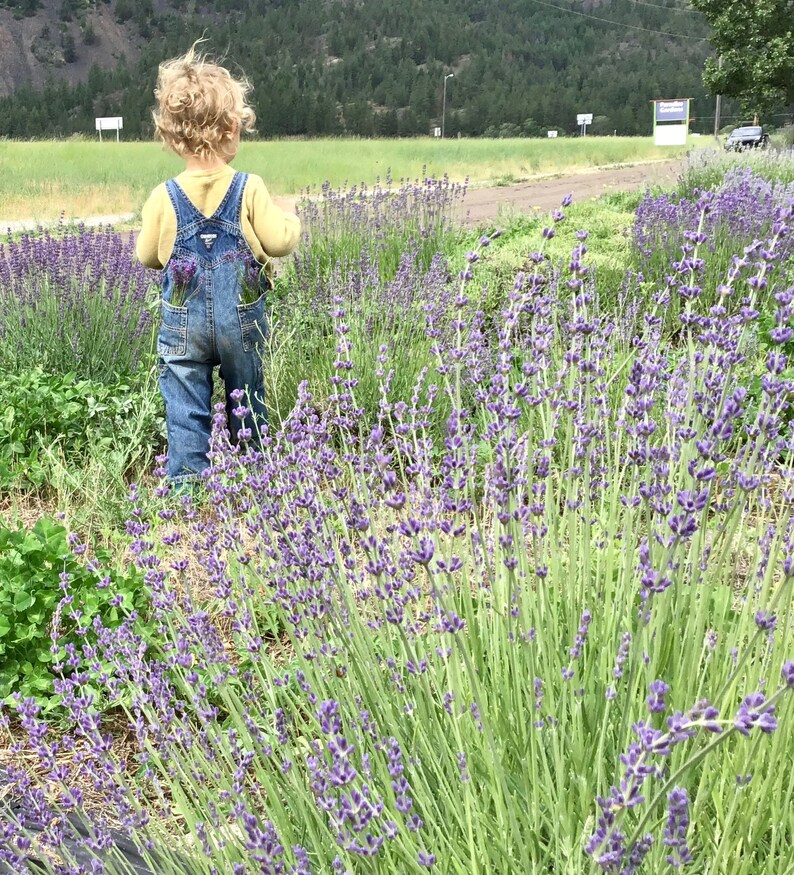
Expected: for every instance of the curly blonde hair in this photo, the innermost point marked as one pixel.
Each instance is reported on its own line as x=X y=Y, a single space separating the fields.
x=201 y=108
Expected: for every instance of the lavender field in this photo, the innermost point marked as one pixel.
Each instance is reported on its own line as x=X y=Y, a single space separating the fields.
x=505 y=587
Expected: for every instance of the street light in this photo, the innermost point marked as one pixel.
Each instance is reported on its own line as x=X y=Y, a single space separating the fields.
x=444 y=103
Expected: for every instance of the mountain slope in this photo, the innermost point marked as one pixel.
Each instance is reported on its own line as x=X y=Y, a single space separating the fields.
x=358 y=66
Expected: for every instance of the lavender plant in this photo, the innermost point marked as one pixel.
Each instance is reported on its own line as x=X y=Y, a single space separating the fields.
x=741 y=213
x=388 y=321
x=706 y=169
x=556 y=637
x=382 y=250
x=252 y=282
x=379 y=221
x=73 y=300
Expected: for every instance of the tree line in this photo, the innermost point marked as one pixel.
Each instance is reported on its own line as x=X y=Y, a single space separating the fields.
x=376 y=67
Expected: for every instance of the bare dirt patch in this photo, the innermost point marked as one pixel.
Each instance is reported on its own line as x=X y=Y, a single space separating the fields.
x=483 y=205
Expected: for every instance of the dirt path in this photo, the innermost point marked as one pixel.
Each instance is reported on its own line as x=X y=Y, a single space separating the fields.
x=482 y=205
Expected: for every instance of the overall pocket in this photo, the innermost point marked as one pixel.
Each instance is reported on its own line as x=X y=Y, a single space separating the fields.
x=253 y=323
x=172 y=337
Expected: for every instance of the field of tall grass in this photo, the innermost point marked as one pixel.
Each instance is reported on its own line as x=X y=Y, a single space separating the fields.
x=111 y=178
x=505 y=587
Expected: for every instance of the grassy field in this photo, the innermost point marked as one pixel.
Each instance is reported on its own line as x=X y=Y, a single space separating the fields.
x=517 y=549
x=42 y=180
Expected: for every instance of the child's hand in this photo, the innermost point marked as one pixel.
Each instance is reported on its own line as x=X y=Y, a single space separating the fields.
x=288 y=204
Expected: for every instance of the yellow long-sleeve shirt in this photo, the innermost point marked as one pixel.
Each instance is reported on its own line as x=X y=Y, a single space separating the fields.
x=269 y=231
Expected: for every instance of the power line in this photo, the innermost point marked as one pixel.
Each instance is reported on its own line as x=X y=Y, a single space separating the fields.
x=668 y=8
x=700 y=39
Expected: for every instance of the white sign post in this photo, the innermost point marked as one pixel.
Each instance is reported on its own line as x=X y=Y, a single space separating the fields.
x=583 y=120
x=551 y=134
x=111 y=123
x=674 y=118
x=436 y=132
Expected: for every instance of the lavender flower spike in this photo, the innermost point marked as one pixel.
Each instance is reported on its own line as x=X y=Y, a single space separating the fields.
x=675 y=831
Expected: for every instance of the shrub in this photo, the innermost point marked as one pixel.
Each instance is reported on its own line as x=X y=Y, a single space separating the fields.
x=382 y=254
x=533 y=643
x=74 y=302
x=341 y=225
x=706 y=169
x=731 y=222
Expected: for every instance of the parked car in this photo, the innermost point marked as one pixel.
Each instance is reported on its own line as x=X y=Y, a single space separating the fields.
x=747 y=137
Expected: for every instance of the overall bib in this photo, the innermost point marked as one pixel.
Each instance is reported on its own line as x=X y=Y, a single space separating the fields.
x=210 y=327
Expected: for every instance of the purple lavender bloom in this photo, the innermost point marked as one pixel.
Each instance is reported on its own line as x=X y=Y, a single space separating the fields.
x=579 y=642
x=658 y=690
x=622 y=655
x=182 y=270
x=765 y=621
x=755 y=712
x=581 y=634
x=676 y=828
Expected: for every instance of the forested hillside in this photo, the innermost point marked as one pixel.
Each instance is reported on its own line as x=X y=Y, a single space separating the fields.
x=359 y=66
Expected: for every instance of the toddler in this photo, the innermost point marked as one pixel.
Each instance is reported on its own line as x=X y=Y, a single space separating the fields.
x=214 y=232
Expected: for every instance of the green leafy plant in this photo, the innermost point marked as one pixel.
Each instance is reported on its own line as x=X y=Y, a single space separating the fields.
x=33 y=565
x=46 y=415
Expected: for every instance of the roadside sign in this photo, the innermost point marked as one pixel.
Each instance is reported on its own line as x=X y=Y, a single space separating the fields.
x=672 y=110
x=670 y=135
x=551 y=134
x=109 y=123
x=671 y=121
x=584 y=118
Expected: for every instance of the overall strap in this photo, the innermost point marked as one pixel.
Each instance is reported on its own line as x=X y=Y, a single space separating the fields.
x=230 y=209
x=186 y=212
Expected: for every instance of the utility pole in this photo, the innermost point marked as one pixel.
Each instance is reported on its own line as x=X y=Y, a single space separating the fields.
x=718 y=107
x=444 y=103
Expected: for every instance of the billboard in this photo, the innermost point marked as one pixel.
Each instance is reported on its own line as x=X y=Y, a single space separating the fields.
x=671 y=121
x=672 y=110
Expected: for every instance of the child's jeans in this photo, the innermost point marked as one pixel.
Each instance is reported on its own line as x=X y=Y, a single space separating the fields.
x=210 y=327
x=208 y=331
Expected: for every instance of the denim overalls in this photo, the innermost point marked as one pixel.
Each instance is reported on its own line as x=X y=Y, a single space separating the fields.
x=211 y=327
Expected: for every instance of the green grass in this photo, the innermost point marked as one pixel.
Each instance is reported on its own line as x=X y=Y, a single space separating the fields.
x=40 y=180
x=607 y=221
